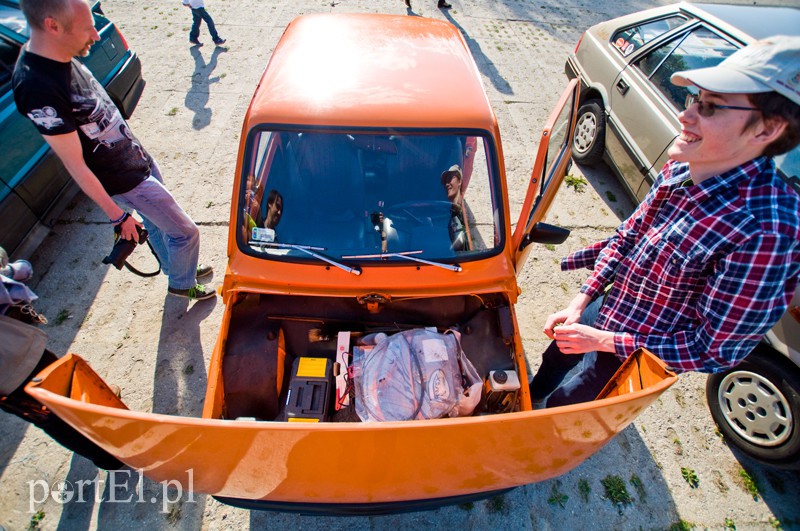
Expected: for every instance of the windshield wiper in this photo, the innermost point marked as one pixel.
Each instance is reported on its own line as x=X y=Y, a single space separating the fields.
x=309 y=250
x=406 y=255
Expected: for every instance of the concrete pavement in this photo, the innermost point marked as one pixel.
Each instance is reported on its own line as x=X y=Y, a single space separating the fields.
x=157 y=348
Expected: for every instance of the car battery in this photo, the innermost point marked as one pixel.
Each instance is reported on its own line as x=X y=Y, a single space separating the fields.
x=500 y=391
x=310 y=390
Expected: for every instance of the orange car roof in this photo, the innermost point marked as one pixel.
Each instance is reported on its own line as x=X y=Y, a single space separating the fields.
x=368 y=70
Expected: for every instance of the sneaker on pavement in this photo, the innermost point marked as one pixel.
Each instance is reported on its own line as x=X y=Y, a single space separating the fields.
x=203 y=271
x=199 y=292
x=195 y=42
x=444 y=5
x=220 y=42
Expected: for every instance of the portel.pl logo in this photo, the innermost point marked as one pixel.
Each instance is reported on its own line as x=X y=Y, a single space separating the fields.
x=120 y=486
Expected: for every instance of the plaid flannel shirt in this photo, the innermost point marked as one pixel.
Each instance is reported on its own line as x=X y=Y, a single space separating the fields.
x=701 y=272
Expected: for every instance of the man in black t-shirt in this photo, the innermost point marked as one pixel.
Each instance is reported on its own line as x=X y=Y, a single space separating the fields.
x=84 y=128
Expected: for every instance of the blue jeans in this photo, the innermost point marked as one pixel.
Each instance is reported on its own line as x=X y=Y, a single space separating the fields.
x=586 y=384
x=173 y=234
x=198 y=15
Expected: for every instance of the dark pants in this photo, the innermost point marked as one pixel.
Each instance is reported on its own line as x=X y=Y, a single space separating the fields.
x=199 y=15
x=586 y=384
x=24 y=406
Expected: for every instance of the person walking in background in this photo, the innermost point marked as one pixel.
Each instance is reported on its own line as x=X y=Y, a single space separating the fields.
x=442 y=4
x=199 y=14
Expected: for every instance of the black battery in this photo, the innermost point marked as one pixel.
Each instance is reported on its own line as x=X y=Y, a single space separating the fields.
x=310 y=390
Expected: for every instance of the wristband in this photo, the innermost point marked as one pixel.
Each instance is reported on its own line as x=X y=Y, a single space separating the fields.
x=121 y=219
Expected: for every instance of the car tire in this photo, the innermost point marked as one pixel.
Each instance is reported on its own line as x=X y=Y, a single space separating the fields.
x=757 y=407
x=589 y=139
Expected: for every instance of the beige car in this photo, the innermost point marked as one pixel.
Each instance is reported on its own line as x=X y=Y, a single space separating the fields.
x=628 y=117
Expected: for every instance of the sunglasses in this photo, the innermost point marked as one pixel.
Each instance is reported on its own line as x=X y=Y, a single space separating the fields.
x=707 y=109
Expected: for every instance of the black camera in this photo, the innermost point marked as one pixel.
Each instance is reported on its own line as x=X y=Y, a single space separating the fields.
x=123 y=248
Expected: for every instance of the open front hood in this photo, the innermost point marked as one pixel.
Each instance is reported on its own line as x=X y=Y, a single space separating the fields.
x=350 y=463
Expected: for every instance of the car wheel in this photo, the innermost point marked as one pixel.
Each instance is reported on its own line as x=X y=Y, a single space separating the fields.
x=757 y=407
x=589 y=139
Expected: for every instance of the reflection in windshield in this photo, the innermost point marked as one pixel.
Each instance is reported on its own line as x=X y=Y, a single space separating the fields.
x=365 y=194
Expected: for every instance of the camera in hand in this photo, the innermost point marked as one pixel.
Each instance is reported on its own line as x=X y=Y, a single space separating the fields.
x=123 y=248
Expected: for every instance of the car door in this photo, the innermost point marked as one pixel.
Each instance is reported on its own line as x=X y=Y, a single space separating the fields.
x=626 y=99
x=552 y=162
x=16 y=218
x=32 y=176
x=643 y=115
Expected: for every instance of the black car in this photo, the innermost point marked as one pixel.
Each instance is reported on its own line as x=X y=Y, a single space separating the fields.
x=34 y=185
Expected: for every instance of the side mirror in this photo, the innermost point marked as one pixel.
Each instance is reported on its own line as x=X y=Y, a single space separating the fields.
x=544 y=233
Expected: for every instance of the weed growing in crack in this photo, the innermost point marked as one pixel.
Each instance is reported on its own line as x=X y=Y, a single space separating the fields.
x=750 y=484
x=585 y=489
x=637 y=483
x=577 y=183
x=556 y=496
x=616 y=491
x=690 y=476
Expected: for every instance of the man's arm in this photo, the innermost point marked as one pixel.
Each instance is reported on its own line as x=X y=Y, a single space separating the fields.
x=746 y=296
x=68 y=148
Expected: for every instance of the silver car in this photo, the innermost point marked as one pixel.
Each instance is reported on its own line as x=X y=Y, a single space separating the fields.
x=629 y=117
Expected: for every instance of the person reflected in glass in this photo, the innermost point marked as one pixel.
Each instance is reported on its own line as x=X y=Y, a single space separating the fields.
x=274 y=209
x=457 y=228
x=252 y=213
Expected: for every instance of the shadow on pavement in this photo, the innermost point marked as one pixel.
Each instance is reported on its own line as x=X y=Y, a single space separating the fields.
x=180 y=377
x=778 y=488
x=197 y=97
x=130 y=499
x=11 y=436
x=608 y=187
x=61 y=264
x=485 y=65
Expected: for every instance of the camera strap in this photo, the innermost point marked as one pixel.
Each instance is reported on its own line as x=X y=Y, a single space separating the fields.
x=140 y=273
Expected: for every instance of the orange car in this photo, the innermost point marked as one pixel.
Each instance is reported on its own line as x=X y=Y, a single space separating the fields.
x=370 y=357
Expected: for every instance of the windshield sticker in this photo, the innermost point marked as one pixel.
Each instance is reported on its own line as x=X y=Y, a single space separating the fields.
x=263 y=235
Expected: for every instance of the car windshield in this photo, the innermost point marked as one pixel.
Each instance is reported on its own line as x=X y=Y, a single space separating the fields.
x=368 y=197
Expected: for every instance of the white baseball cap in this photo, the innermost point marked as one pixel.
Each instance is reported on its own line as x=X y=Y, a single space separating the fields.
x=771 y=64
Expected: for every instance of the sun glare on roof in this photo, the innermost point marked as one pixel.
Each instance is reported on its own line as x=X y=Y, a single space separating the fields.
x=319 y=69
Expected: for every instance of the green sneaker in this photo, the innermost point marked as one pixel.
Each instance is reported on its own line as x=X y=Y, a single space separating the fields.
x=199 y=292
x=204 y=271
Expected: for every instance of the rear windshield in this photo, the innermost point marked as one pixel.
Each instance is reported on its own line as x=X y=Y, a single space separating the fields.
x=362 y=197
x=630 y=39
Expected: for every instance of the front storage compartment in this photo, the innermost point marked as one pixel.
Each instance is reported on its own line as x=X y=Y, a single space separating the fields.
x=270 y=336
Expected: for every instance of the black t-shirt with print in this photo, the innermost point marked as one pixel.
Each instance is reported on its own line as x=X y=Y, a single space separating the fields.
x=61 y=98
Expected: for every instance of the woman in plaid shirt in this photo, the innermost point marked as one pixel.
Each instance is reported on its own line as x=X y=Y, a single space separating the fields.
x=709 y=261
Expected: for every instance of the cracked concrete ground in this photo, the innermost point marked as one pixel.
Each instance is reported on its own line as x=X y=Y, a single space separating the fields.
x=156 y=348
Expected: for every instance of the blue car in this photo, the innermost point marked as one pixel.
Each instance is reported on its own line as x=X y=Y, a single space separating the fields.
x=34 y=185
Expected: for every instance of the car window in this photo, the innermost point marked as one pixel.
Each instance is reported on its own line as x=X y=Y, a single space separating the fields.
x=351 y=195
x=699 y=48
x=789 y=165
x=630 y=39
x=8 y=57
x=13 y=19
